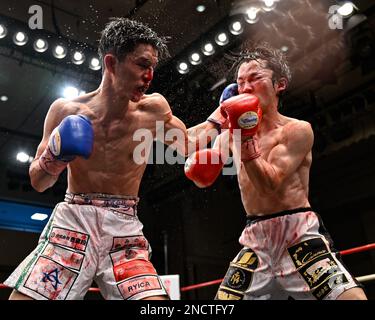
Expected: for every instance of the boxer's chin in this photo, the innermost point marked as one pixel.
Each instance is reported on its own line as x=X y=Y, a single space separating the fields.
x=136 y=97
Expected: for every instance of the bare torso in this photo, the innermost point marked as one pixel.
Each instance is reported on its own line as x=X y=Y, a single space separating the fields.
x=111 y=168
x=291 y=193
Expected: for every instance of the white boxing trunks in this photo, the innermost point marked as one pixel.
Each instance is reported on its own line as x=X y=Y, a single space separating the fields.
x=286 y=255
x=90 y=237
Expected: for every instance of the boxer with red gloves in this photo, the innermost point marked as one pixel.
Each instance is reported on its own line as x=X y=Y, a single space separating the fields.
x=273 y=155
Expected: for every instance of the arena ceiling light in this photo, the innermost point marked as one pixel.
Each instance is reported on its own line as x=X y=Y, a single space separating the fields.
x=40 y=45
x=195 y=58
x=208 y=49
x=39 y=216
x=59 y=51
x=236 y=28
x=183 y=68
x=20 y=38
x=70 y=92
x=222 y=39
x=200 y=8
x=346 y=9
x=3 y=31
x=94 y=64
x=251 y=15
x=269 y=5
x=78 y=57
x=23 y=157
x=284 y=48
x=3 y=98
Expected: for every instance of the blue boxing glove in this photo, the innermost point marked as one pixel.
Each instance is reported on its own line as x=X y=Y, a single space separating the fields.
x=73 y=137
x=216 y=117
x=229 y=91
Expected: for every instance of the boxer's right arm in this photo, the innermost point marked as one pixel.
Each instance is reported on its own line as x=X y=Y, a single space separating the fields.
x=40 y=180
x=72 y=137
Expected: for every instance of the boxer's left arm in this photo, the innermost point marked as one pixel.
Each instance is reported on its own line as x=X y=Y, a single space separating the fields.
x=268 y=174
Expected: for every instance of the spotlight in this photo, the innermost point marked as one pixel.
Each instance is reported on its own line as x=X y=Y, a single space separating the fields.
x=284 y=48
x=200 y=8
x=222 y=39
x=22 y=157
x=251 y=15
x=269 y=5
x=78 y=57
x=3 y=98
x=39 y=216
x=59 y=52
x=20 y=38
x=94 y=64
x=346 y=9
x=40 y=45
x=208 y=49
x=3 y=31
x=70 y=92
x=183 y=68
x=236 y=28
x=195 y=58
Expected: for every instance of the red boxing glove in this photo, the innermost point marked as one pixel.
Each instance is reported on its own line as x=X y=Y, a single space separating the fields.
x=243 y=112
x=203 y=167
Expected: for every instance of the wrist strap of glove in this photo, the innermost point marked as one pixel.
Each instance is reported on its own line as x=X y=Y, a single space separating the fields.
x=249 y=150
x=50 y=164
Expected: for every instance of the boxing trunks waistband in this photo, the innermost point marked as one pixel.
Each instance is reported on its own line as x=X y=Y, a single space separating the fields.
x=254 y=219
x=125 y=203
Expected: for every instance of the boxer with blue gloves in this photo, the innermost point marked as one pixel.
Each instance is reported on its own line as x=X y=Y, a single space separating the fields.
x=95 y=233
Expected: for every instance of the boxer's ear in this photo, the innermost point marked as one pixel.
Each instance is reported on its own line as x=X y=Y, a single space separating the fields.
x=280 y=85
x=109 y=62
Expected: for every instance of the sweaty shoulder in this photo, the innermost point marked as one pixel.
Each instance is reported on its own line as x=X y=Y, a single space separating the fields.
x=298 y=131
x=156 y=104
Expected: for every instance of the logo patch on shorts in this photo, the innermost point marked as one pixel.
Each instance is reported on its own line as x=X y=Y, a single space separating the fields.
x=50 y=279
x=133 y=268
x=69 y=238
x=239 y=276
x=134 y=287
x=66 y=257
x=247 y=259
x=315 y=263
x=223 y=294
x=129 y=242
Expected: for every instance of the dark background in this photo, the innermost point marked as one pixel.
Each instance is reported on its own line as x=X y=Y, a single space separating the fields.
x=194 y=232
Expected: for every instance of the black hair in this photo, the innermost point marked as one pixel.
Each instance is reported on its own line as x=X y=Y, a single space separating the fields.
x=121 y=35
x=275 y=59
